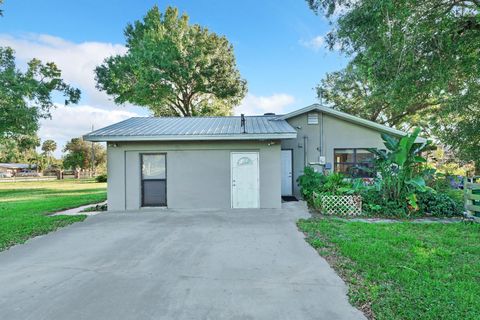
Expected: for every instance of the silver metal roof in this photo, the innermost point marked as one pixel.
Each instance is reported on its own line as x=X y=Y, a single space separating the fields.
x=16 y=165
x=194 y=128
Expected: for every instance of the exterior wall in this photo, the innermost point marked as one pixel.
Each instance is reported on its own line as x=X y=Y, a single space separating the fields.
x=198 y=173
x=322 y=139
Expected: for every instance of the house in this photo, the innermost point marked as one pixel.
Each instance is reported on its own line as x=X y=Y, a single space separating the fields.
x=230 y=162
x=12 y=169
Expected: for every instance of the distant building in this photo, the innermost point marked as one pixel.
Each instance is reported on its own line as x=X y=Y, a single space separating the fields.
x=12 y=169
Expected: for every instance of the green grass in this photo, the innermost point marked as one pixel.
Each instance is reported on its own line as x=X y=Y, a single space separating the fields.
x=404 y=270
x=24 y=206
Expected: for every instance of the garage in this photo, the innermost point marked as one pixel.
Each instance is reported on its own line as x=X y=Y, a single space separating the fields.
x=203 y=162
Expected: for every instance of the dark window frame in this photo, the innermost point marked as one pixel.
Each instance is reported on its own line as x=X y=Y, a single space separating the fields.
x=142 y=181
x=353 y=163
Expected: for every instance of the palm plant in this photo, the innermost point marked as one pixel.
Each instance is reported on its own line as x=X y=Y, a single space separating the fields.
x=400 y=168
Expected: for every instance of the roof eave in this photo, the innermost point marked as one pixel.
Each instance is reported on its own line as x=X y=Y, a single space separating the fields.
x=245 y=136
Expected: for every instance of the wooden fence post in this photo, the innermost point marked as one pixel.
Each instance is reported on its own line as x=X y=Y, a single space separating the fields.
x=471 y=197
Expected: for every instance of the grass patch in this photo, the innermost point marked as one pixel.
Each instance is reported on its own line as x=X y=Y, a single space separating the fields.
x=403 y=270
x=24 y=206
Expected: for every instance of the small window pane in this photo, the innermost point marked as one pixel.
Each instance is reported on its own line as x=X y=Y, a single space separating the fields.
x=345 y=155
x=153 y=166
x=154 y=193
x=364 y=156
x=344 y=168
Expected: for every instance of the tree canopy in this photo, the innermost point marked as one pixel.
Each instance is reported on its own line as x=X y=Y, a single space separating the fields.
x=78 y=154
x=49 y=146
x=173 y=68
x=412 y=63
x=26 y=97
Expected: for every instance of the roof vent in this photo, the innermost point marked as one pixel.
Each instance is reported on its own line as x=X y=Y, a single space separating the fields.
x=269 y=114
x=242 y=122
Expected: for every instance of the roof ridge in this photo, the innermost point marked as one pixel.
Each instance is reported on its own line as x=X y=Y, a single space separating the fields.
x=204 y=117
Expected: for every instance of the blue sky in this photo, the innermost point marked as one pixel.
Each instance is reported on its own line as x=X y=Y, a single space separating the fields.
x=278 y=45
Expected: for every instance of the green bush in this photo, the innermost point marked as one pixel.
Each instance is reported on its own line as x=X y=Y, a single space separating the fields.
x=329 y=184
x=101 y=178
x=438 y=204
x=310 y=182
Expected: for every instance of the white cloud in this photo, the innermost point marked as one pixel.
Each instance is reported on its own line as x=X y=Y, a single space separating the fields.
x=74 y=121
x=315 y=43
x=76 y=60
x=276 y=103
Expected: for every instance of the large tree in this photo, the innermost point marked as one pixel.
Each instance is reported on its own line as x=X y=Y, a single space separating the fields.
x=412 y=63
x=19 y=148
x=26 y=97
x=78 y=154
x=173 y=68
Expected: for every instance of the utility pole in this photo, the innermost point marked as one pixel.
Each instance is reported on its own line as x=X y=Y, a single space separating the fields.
x=93 y=157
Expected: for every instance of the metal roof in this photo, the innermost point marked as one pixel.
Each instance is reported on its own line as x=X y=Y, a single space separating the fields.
x=16 y=165
x=194 y=128
x=349 y=118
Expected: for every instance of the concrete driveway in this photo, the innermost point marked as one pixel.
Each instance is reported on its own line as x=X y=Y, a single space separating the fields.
x=172 y=264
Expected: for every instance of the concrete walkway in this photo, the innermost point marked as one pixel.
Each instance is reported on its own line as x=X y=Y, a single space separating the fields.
x=172 y=264
x=78 y=210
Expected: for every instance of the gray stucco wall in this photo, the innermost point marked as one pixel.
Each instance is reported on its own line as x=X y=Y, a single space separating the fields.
x=336 y=133
x=198 y=173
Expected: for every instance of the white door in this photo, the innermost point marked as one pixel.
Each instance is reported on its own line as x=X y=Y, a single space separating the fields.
x=287 y=175
x=245 y=180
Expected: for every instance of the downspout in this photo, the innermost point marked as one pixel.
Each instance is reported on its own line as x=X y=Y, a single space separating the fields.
x=305 y=138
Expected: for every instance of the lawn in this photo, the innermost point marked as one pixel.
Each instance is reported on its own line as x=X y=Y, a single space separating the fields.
x=404 y=270
x=24 y=206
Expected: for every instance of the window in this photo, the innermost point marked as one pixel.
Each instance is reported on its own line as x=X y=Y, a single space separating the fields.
x=312 y=118
x=354 y=162
x=154 y=180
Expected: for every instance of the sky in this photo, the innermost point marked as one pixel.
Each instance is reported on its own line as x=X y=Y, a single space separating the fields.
x=279 y=48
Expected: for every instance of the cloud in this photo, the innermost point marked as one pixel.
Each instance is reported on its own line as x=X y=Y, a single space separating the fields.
x=275 y=103
x=76 y=60
x=74 y=121
x=315 y=43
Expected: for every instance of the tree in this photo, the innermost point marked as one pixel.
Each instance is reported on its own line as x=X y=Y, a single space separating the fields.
x=25 y=97
x=79 y=154
x=412 y=63
x=173 y=68
x=19 y=148
x=48 y=147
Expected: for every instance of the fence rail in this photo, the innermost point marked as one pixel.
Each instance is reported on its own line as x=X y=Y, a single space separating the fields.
x=20 y=179
x=472 y=195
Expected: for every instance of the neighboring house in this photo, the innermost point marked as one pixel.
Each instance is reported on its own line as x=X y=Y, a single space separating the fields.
x=12 y=169
x=230 y=162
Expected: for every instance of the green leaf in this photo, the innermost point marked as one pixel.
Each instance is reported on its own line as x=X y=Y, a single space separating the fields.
x=390 y=142
x=412 y=200
x=419 y=159
x=418 y=183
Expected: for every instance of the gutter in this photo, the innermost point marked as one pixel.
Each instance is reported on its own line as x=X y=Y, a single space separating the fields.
x=244 y=136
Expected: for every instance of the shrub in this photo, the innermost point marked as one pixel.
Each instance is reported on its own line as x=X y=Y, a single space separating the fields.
x=438 y=204
x=101 y=178
x=310 y=182
x=401 y=172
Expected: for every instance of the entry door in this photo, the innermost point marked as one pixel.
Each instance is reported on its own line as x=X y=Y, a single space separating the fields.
x=245 y=180
x=287 y=175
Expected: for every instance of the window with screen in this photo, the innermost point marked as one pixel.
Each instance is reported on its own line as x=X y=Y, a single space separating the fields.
x=354 y=162
x=154 y=180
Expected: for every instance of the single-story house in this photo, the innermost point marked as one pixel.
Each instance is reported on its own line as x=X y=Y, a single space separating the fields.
x=13 y=168
x=230 y=162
